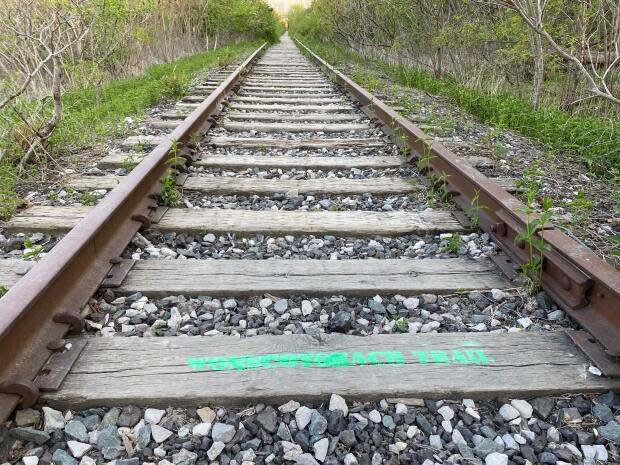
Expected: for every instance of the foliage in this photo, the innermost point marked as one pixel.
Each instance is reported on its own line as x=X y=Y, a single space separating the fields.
x=533 y=240
x=595 y=140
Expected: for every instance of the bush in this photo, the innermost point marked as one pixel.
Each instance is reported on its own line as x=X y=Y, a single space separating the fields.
x=595 y=140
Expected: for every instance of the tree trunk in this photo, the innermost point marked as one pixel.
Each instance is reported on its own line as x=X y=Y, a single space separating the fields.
x=539 y=67
x=570 y=92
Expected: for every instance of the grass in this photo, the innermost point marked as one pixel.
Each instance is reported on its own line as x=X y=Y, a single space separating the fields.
x=87 y=121
x=93 y=114
x=595 y=140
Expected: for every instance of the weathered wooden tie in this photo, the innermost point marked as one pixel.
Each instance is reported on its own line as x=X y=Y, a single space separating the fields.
x=247 y=222
x=193 y=371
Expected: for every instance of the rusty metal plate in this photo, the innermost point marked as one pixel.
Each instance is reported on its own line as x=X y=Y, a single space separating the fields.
x=58 y=365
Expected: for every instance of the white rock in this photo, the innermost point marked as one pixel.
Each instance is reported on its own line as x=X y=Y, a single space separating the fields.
x=397 y=447
x=30 y=460
x=472 y=412
x=159 y=452
x=401 y=409
x=469 y=403
x=411 y=303
x=553 y=435
x=495 y=458
x=320 y=449
x=446 y=412
x=498 y=295
x=215 y=450
x=86 y=460
x=435 y=441
x=306 y=307
x=412 y=431
x=350 y=459
x=447 y=426
x=160 y=434
x=52 y=419
x=153 y=415
x=78 y=449
x=601 y=453
x=457 y=437
x=374 y=416
x=206 y=414
x=201 y=429
x=508 y=412
x=302 y=417
x=291 y=450
x=289 y=407
x=523 y=407
x=336 y=402
x=589 y=452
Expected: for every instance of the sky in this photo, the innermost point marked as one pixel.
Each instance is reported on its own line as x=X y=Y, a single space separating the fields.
x=282 y=6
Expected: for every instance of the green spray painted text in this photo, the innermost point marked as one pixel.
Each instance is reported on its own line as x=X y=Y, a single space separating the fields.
x=465 y=356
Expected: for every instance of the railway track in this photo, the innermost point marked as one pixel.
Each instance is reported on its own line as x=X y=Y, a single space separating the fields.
x=310 y=255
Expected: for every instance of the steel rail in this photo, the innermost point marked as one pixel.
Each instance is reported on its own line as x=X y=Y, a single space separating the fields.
x=586 y=287
x=42 y=308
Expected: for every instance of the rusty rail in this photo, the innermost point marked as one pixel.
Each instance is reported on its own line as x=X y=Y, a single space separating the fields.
x=37 y=313
x=586 y=287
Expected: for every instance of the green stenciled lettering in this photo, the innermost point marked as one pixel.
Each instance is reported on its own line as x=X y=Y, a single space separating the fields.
x=439 y=356
x=478 y=357
x=218 y=363
x=267 y=360
x=459 y=357
x=252 y=362
x=388 y=358
x=237 y=363
x=311 y=360
x=336 y=359
x=197 y=363
x=423 y=357
x=289 y=360
x=358 y=359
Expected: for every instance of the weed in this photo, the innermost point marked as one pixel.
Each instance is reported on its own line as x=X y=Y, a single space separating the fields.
x=437 y=190
x=402 y=325
x=499 y=149
x=32 y=251
x=530 y=182
x=367 y=80
x=129 y=162
x=473 y=212
x=170 y=196
x=447 y=122
x=454 y=244
x=9 y=200
x=336 y=206
x=52 y=196
x=89 y=199
x=3 y=290
x=580 y=208
x=533 y=239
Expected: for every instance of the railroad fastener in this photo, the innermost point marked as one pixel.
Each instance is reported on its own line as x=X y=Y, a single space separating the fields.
x=499 y=228
x=24 y=388
x=146 y=222
x=56 y=344
x=73 y=319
